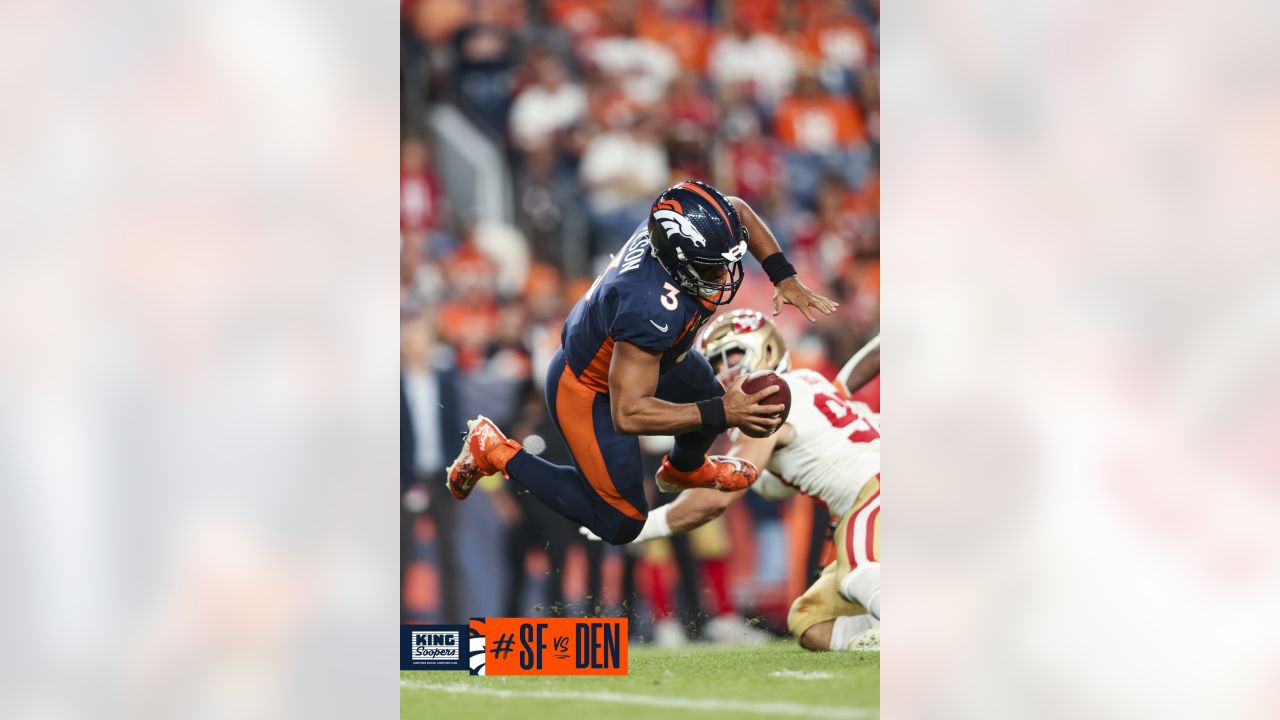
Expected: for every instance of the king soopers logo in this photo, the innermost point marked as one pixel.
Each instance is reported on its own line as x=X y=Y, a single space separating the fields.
x=436 y=645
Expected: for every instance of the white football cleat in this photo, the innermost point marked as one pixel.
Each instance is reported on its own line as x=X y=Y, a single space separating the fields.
x=669 y=634
x=866 y=641
x=731 y=629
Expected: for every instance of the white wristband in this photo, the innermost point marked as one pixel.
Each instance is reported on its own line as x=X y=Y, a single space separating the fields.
x=656 y=526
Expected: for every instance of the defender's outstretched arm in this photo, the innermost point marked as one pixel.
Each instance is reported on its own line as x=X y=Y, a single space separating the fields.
x=858 y=371
x=694 y=508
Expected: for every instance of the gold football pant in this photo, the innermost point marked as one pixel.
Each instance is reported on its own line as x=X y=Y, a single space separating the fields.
x=857 y=541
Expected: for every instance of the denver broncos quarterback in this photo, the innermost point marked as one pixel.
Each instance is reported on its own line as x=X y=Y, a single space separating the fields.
x=626 y=367
x=829 y=449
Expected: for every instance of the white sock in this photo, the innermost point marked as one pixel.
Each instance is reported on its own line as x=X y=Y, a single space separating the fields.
x=863 y=586
x=846 y=627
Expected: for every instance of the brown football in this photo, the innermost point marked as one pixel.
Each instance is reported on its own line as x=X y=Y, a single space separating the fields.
x=761 y=379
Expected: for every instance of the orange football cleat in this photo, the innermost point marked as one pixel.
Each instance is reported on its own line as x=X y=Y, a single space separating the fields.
x=485 y=451
x=719 y=472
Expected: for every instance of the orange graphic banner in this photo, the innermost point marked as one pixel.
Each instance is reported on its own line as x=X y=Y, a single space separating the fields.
x=553 y=646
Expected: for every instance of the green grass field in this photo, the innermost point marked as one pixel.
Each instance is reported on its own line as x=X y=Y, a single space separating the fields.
x=701 y=681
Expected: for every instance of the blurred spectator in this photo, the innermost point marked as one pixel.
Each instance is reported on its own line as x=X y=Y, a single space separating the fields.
x=843 y=229
x=609 y=106
x=820 y=133
x=680 y=26
x=430 y=419
x=435 y=21
x=836 y=40
x=622 y=169
x=508 y=250
x=750 y=53
x=428 y=378
x=546 y=200
x=544 y=300
x=549 y=106
x=486 y=57
x=419 y=189
x=469 y=316
x=690 y=123
x=754 y=163
x=582 y=18
x=644 y=66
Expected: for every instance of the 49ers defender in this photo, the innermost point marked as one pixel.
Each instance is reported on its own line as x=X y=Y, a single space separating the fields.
x=829 y=449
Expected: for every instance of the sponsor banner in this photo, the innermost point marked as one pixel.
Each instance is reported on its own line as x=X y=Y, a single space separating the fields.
x=434 y=647
x=550 y=646
x=519 y=646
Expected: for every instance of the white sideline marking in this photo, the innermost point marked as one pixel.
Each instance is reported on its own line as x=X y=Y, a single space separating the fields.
x=803 y=674
x=762 y=708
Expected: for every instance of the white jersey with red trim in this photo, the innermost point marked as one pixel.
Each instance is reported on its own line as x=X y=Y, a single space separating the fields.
x=834 y=446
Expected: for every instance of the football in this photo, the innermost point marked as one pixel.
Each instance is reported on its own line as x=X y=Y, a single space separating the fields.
x=762 y=379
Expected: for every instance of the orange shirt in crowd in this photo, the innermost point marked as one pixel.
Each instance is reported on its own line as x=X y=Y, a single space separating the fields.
x=865 y=201
x=760 y=15
x=687 y=40
x=468 y=327
x=818 y=124
x=831 y=33
x=466 y=322
x=863 y=274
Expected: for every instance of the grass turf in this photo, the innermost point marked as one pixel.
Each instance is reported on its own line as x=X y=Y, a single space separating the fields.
x=701 y=681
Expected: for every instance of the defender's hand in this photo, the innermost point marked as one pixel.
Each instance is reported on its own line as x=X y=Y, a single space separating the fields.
x=588 y=534
x=793 y=292
x=744 y=411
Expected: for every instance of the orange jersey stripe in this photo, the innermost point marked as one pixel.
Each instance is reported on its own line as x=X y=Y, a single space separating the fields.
x=573 y=407
x=688 y=326
x=596 y=374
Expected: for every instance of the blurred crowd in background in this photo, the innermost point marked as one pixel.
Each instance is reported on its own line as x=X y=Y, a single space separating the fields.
x=535 y=136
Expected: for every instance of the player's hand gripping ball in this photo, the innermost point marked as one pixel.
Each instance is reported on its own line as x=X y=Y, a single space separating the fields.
x=760 y=380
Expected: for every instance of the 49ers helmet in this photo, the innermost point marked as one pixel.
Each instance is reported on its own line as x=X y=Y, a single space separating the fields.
x=698 y=237
x=751 y=332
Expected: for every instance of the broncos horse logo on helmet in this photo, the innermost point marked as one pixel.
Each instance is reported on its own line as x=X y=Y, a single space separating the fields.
x=673 y=222
x=696 y=234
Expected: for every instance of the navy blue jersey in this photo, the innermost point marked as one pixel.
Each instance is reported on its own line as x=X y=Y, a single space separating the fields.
x=634 y=300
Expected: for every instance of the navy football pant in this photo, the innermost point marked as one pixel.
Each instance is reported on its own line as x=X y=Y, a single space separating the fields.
x=604 y=490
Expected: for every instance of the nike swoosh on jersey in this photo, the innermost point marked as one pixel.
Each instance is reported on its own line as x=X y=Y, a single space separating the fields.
x=662 y=328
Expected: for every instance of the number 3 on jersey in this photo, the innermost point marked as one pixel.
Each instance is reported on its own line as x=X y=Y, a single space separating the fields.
x=842 y=412
x=669 y=300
